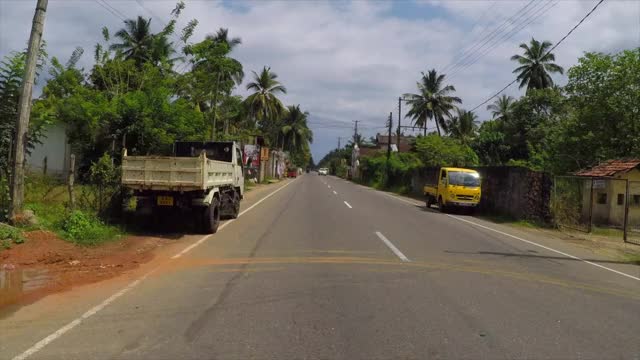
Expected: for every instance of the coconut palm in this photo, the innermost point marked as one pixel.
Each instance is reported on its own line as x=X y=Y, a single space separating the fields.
x=536 y=64
x=295 y=130
x=139 y=44
x=463 y=126
x=222 y=36
x=263 y=104
x=501 y=107
x=433 y=101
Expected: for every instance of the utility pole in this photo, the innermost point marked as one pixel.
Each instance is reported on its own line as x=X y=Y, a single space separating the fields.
x=355 y=134
x=399 y=117
x=339 y=138
x=390 y=124
x=24 y=109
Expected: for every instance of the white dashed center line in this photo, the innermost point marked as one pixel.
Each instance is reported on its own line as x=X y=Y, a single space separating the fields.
x=349 y=206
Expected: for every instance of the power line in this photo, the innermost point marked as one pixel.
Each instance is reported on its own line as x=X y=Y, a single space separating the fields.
x=109 y=10
x=120 y=14
x=550 y=50
x=476 y=37
x=488 y=37
x=541 y=11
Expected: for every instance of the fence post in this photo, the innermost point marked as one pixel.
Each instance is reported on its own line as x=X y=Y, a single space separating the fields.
x=626 y=211
x=591 y=208
x=72 y=195
x=44 y=166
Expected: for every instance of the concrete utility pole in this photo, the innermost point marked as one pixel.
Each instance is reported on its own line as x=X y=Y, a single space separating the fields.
x=339 y=138
x=389 y=145
x=355 y=134
x=24 y=110
x=399 y=117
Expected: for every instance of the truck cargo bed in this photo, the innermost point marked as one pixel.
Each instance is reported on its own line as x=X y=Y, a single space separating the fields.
x=175 y=173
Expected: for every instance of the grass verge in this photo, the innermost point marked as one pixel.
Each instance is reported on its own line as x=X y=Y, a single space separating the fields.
x=48 y=199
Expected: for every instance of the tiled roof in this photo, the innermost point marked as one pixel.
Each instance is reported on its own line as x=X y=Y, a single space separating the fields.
x=610 y=168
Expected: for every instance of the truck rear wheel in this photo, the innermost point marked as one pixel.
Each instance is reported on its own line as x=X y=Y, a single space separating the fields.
x=441 y=205
x=211 y=219
x=236 y=205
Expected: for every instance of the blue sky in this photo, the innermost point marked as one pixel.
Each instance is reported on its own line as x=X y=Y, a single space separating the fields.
x=350 y=60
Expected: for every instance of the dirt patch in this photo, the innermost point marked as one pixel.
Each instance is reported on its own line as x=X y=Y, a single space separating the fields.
x=45 y=264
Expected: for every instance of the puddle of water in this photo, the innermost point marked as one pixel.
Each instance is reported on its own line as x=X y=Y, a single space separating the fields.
x=16 y=283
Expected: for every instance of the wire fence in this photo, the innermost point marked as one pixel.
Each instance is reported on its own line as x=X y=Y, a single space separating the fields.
x=601 y=206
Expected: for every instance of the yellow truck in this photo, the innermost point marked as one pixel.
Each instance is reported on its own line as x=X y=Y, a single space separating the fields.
x=455 y=188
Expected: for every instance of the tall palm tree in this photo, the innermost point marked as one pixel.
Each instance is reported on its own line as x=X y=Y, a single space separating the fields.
x=139 y=44
x=501 y=108
x=463 y=126
x=263 y=104
x=136 y=39
x=433 y=101
x=536 y=64
x=222 y=36
x=295 y=131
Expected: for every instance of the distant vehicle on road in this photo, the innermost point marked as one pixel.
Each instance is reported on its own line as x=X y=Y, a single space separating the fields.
x=323 y=171
x=454 y=188
x=203 y=177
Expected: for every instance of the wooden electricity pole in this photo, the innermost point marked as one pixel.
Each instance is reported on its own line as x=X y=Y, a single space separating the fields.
x=24 y=110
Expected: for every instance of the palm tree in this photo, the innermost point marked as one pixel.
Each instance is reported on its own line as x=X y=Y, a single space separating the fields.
x=263 y=103
x=536 y=64
x=137 y=40
x=432 y=102
x=222 y=36
x=295 y=128
x=463 y=125
x=501 y=108
x=139 y=44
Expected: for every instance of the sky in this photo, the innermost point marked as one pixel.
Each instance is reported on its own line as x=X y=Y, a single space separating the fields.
x=347 y=60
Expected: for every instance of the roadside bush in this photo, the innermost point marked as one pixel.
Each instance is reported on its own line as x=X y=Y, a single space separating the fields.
x=401 y=168
x=85 y=229
x=9 y=234
x=434 y=150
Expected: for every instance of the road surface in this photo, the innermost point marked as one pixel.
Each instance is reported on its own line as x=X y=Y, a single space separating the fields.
x=326 y=269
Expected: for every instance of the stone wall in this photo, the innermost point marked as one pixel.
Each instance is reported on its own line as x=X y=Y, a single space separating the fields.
x=512 y=191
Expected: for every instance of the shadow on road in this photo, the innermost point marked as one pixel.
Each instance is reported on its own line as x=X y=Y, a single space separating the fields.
x=545 y=257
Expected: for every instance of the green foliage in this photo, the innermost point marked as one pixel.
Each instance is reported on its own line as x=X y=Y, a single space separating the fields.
x=11 y=73
x=491 y=145
x=604 y=94
x=85 y=229
x=9 y=234
x=399 y=168
x=463 y=126
x=435 y=150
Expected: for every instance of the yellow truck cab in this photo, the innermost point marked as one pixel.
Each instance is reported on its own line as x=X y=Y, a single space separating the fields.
x=455 y=187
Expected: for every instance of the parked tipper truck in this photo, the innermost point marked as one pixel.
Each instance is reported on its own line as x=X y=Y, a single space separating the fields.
x=454 y=187
x=204 y=178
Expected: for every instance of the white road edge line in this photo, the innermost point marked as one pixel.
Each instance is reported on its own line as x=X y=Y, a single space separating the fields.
x=392 y=247
x=346 y=203
x=335 y=192
x=545 y=247
x=526 y=241
x=192 y=246
x=58 y=333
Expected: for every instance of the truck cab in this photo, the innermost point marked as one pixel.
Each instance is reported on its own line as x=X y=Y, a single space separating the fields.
x=455 y=188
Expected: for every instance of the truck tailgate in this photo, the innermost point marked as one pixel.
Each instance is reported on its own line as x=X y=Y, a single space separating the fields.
x=163 y=173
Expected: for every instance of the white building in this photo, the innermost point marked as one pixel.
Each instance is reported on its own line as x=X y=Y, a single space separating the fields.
x=55 y=149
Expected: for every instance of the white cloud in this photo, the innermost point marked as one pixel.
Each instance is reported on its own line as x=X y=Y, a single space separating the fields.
x=346 y=61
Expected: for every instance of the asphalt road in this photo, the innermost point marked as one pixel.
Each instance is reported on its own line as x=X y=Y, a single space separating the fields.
x=326 y=269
